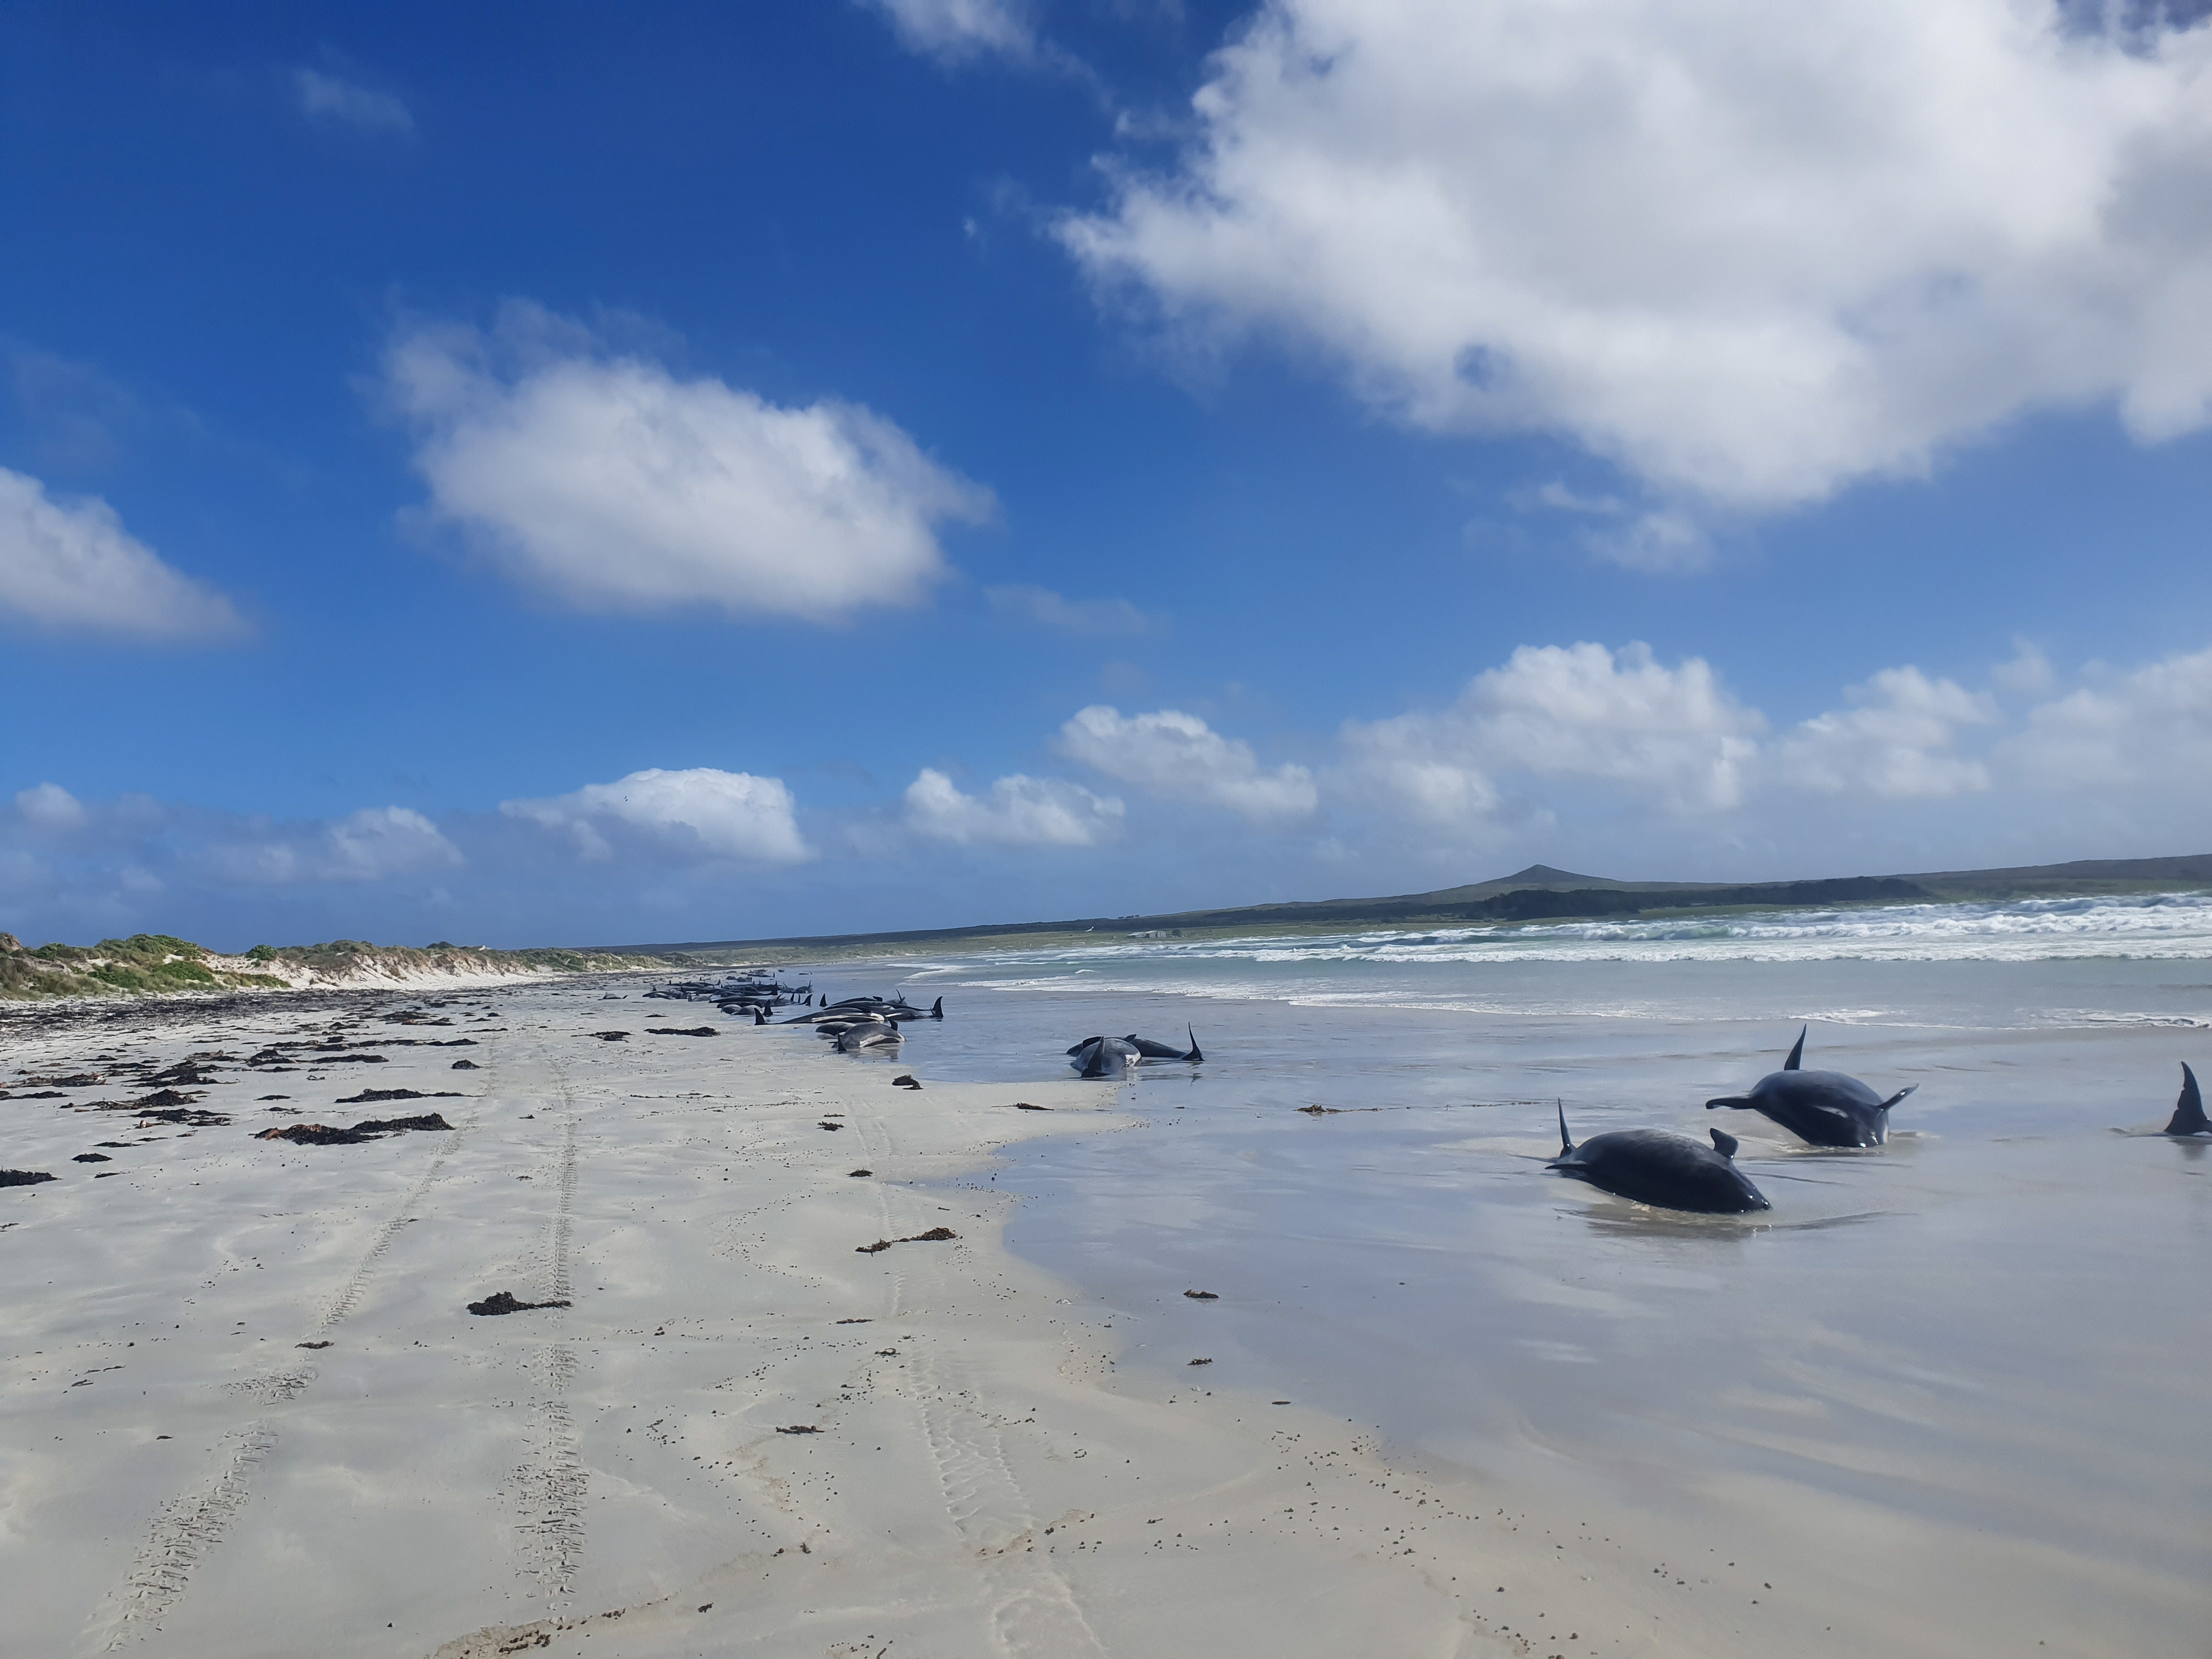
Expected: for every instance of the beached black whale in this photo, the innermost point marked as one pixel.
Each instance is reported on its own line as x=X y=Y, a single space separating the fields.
x=1105 y=1057
x=1826 y=1108
x=1655 y=1167
x=2189 y=1117
x=1152 y=1050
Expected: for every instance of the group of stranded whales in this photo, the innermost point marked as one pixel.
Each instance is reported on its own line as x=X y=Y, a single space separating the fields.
x=1650 y=1166
x=861 y=1024
x=1825 y=1109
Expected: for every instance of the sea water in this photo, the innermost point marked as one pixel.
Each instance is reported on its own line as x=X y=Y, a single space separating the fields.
x=1950 y=1394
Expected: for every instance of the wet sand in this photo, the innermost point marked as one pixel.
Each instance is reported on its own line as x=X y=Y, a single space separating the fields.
x=1453 y=1407
x=246 y=1413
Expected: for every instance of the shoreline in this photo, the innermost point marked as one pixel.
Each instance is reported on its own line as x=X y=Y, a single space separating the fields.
x=243 y=1399
x=609 y=1477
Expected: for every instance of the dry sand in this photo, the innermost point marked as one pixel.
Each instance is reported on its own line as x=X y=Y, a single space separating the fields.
x=246 y=1413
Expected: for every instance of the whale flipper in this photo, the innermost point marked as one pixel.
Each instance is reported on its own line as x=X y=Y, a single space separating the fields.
x=1899 y=1096
x=1724 y=1143
x=1796 y=1060
x=1195 y=1057
x=2189 y=1117
x=1733 y=1103
x=1081 y=1046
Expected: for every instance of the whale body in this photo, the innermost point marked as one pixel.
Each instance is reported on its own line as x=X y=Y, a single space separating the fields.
x=1828 y=1109
x=1655 y=1167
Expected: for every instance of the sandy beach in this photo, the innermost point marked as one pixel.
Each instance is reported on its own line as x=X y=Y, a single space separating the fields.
x=248 y=1413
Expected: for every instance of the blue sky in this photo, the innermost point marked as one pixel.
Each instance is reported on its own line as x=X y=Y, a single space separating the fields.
x=569 y=475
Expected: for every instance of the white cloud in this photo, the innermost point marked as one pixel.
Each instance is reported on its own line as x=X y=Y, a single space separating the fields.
x=50 y=806
x=1099 y=617
x=1749 y=253
x=327 y=98
x=1180 y=757
x=955 y=30
x=373 y=844
x=72 y=566
x=2149 y=731
x=1018 y=812
x=701 y=810
x=611 y=484
x=1898 y=742
x=1580 y=712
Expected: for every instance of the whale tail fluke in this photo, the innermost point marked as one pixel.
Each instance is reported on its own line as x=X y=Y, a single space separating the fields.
x=1899 y=1096
x=1796 y=1060
x=1724 y=1143
x=1566 y=1143
x=2189 y=1117
x=1733 y=1103
x=1194 y=1056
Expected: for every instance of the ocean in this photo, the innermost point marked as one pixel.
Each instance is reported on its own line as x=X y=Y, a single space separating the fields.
x=1949 y=1394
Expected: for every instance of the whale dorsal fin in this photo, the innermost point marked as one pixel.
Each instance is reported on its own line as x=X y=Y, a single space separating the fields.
x=1566 y=1146
x=1195 y=1057
x=1796 y=1053
x=1724 y=1143
x=2189 y=1117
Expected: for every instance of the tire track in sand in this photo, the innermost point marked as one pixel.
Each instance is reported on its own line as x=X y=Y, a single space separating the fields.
x=548 y=1486
x=188 y=1526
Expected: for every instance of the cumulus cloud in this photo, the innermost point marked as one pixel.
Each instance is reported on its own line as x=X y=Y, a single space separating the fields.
x=613 y=485
x=50 y=806
x=952 y=30
x=1898 y=742
x=700 y=811
x=1674 y=736
x=72 y=567
x=1750 y=253
x=1101 y=619
x=1178 y=756
x=327 y=98
x=1018 y=812
x=2148 y=730
x=373 y=844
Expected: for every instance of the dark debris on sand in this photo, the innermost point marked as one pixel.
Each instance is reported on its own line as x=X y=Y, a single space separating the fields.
x=325 y=1134
x=935 y=1236
x=800 y=1428
x=22 y=1178
x=859 y=1172
x=504 y=1302
x=681 y=1030
x=466 y=1066
x=1201 y=1296
x=1023 y=1106
x=369 y=1095
x=608 y=1037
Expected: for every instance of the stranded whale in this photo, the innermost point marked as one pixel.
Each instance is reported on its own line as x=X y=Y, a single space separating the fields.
x=1151 y=1050
x=1105 y=1057
x=2189 y=1117
x=1654 y=1167
x=1826 y=1108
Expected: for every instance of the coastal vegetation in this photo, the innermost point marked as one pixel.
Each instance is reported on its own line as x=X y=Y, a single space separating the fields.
x=146 y=964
